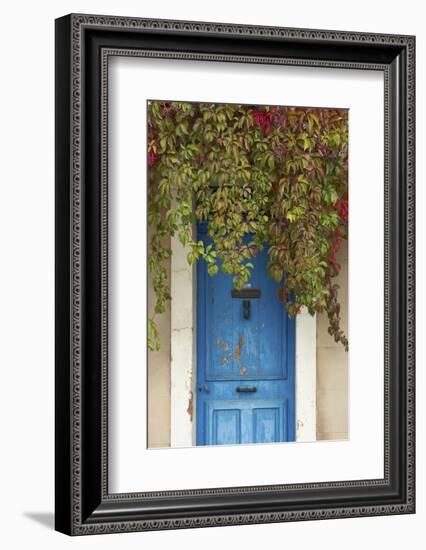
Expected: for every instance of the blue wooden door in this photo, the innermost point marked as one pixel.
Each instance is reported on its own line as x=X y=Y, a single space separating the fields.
x=245 y=359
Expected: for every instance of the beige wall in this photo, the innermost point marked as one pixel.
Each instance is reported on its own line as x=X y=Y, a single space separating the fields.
x=159 y=380
x=332 y=367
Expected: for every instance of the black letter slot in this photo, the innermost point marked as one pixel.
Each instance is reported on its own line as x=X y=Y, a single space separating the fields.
x=246 y=293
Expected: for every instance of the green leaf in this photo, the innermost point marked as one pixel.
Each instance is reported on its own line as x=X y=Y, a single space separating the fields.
x=212 y=269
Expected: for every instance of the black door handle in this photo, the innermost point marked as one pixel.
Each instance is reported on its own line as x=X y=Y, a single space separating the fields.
x=246 y=389
x=246 y=309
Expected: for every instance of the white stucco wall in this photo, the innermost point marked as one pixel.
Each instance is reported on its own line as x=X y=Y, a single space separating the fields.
x=306 y=377
x=182 y=362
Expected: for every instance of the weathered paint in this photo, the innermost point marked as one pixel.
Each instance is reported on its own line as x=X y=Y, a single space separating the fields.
x=182 y=347
x=190 y=409
x=260 y=339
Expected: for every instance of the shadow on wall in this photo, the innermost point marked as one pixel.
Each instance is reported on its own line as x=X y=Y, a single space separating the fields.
x=47 y=519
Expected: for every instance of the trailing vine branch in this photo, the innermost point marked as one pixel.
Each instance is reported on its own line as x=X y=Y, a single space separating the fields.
x=277 y=174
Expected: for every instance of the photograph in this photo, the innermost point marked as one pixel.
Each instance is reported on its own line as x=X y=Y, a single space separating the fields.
x=248 y=215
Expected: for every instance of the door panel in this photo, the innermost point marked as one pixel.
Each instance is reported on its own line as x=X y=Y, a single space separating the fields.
x=245 y=363
x=223 y=423
x=250 y=421
x=270 y=422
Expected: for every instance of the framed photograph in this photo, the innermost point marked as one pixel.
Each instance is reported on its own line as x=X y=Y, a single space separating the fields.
x=234 y=274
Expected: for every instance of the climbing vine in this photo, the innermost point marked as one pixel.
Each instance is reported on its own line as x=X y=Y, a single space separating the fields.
x=279 y=174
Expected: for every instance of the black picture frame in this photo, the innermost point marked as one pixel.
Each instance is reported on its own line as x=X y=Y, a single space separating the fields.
x=83 y=504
